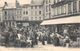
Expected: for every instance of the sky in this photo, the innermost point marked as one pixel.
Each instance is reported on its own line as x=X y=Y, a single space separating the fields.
x=20 y=1
x=13 y=1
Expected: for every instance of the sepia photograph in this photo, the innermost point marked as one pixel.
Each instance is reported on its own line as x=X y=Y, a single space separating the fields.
x=39 y=25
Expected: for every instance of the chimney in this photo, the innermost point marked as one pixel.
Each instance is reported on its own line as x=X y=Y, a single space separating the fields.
x=6 y=4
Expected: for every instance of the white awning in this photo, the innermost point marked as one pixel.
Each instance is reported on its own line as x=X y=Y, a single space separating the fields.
x=67 y=20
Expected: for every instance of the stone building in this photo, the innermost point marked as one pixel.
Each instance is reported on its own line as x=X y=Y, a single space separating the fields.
x=65 y=16
x=11 y=13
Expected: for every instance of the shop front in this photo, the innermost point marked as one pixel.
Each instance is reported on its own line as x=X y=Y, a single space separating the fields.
x=65 y=26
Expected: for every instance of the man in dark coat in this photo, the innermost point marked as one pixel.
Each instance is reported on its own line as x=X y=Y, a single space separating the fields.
x=56 y=41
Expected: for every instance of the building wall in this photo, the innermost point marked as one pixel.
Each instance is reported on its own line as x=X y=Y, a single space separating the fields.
x=26 y=12
x=9 y=17
x=36 y=12
x=12 y=15
x=1 y=14
x=32 y=12
x=48 y=9
x=18 y=16
x=69 y=8
x=9 y=14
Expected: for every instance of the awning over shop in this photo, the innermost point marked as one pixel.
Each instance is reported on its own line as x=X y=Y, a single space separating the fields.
x=67 y=20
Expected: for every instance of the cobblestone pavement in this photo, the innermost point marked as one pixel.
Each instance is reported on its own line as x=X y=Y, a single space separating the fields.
x=40 y=47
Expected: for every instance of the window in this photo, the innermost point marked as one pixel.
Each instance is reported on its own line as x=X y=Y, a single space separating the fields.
x=35 y=18
x=5 y=18
x=35 y=7
x=13 y=23
x=47 y=8
x=69 y=8
x=31 y=18
x=5 y=13
x=57 y=0
x=59 y=10
x=49 y=1
x=31 y=12
x=54 y=1
x=26 y=12
x=35 y=12
x=13 y=17
x=60 y=0
x=31 y=7
x=39 y=18
x=79 y=6
x=0 y=19
x=39 y=12
x=18 y=12
x=46 y=1
x=55 y=11
x=74 y=7
x=39 y=6
x=63 y=9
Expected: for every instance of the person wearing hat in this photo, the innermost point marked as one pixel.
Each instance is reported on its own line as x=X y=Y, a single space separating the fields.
x=56 y=40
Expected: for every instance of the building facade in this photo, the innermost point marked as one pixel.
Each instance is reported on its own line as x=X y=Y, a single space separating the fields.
x=1 y=14
x=48 y=10
x=65 y=18
x=63 y=8
x=11 y=14
x=32 y=12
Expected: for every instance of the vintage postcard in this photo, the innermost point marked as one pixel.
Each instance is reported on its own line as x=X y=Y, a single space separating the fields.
x=39 y=25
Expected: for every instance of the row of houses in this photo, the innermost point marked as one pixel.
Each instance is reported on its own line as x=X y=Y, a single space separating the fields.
x=11 y=13
x=63 y=16
x=38 y=11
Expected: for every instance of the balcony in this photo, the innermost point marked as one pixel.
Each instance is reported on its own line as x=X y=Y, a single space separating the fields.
x=61 y=3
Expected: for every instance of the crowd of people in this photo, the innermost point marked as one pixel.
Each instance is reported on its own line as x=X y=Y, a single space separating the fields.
x=31 y=36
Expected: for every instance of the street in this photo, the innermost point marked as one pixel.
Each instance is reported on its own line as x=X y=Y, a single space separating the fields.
x=40 y=48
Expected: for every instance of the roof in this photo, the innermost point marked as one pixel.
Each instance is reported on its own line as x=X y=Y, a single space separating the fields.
x=36 y=2
x=33 y=3
x=13 y=2
x=22 y=2
x=25 y=5
x=10 y=5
